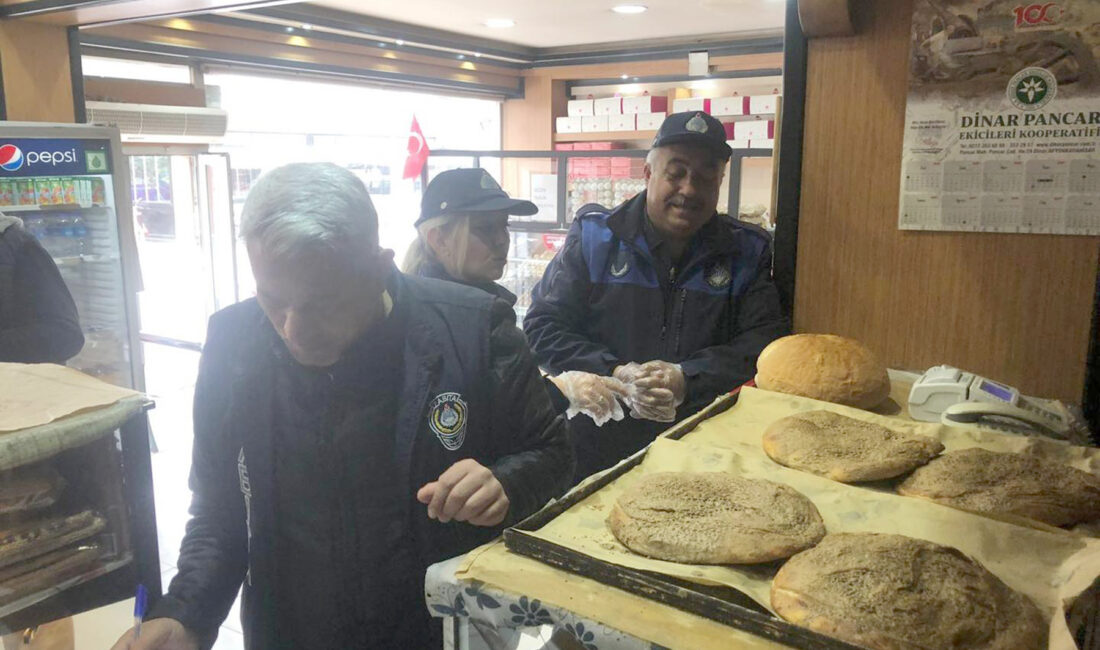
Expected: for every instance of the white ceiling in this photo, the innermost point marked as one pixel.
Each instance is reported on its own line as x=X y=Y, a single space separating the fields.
x=557 y=23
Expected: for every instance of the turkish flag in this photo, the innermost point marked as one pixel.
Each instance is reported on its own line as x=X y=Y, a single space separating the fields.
x=418 y=151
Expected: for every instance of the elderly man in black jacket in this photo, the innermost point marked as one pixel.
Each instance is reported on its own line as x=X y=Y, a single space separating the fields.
x=661 y=292
x=352 y=426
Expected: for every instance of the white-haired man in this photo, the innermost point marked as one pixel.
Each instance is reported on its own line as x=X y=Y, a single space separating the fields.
x=352 y=426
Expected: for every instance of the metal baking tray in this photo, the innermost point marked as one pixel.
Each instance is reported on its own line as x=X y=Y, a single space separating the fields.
x=724 y=605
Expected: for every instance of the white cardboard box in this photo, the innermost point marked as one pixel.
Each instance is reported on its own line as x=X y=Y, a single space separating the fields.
x=581 y=108
x=569 y=124
x=609 y=106
x=650 y=121
x=594 y=124
x=763 y=104
x=753 y=130
x=621 y=122
x=645 y=104
x=690 y=104
x=727 y=106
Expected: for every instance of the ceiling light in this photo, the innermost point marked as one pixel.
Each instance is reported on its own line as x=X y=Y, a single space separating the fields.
x=461 y=56
x=381 y=45
x=307 y=26
x=289 y=30
x=400 y=42
x=624 y=76
x=500 y=23
x=629 y=9
x=477 y=55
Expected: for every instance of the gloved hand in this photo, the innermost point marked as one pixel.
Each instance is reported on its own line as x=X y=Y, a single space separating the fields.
x=593 y=395
x=658 y=388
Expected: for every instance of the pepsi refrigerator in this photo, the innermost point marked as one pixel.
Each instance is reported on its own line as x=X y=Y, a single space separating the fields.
x=77 y=521
x=69 y=183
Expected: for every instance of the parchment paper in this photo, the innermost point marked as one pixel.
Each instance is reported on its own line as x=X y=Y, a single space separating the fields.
x=1050 y=566
x=35 y=394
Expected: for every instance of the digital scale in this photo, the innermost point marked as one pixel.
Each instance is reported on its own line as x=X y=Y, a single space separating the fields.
x=952 y=396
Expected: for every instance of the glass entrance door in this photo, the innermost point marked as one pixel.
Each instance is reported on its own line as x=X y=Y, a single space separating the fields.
x=185 y=234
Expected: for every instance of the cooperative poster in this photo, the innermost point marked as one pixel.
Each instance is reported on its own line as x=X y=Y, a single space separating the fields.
x=1002 y=124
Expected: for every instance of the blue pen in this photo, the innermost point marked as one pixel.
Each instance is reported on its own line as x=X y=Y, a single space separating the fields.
x=140 y=601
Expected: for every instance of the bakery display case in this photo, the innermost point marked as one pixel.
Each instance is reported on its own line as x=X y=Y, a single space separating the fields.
x=77 y=523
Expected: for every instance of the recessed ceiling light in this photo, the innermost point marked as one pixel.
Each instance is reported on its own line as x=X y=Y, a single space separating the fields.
x=289 y=29
x=629 y=9
x=381 y=45
x=461 y=56
x=500 y=23
x=400 y=42
x=477 y=54
x=307 y=26
x=624 y=76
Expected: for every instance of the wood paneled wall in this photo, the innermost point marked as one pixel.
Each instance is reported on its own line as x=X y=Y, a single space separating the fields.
x=1013 y=307
x=37 y=84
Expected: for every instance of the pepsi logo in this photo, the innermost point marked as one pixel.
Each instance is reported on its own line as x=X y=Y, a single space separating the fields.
x=11 y=157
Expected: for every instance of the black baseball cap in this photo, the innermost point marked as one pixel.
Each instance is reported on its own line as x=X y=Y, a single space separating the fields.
x=466 y=191
x=694 y=128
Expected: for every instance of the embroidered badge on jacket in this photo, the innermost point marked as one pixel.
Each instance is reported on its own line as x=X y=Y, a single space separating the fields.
x=447 y=419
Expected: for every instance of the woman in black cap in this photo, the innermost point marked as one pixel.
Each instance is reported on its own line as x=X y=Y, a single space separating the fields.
x=462 y=236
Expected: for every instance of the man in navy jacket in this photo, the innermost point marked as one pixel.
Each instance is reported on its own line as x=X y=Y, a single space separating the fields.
x=352 y=426
x=661 y=292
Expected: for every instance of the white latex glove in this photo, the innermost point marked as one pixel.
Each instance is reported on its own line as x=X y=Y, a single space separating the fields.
x=595 y=396
x=658 y=388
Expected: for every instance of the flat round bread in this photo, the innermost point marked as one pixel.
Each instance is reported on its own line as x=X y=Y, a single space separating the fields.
x=845 y=449
x=989 y=482
x=714 y=518
x=890 y=592
x=824 y=367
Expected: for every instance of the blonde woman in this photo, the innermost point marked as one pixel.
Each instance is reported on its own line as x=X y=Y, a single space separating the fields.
x=462 y=236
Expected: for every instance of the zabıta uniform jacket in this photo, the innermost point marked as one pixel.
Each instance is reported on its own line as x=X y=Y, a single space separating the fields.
x=604 y=301
x=461 y=344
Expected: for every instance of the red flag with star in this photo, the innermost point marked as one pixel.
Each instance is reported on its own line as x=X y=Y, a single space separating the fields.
x=418 y=151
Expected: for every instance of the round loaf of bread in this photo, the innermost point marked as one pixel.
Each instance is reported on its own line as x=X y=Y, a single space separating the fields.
x=996 y=483
x=845 y=449
x=890 y=592
x=825 y=367
x=714 y=518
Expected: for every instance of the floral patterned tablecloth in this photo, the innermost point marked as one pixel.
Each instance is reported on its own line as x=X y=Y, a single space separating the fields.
x=507 y=615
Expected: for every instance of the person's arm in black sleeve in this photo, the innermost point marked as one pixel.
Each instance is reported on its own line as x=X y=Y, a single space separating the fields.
x=554 y=324
x=45 y=327
x=214 y=553
x=759 y=320
x=536 y=462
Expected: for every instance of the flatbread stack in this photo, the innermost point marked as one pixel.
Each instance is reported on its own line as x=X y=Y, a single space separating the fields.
x=29 y=488
x=824 y=367
x=1017 y=485
x=714 y=518
x=845 y=449
x=890 y=592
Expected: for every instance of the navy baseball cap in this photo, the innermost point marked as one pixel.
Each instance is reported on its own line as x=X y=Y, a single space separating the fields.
x=694 y=128
x=468 y=191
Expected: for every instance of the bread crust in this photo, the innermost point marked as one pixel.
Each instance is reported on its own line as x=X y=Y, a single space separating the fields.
x=845 y=449
x=824 y=367
x=890 y=592
x=714 y=518
x=1020 y=485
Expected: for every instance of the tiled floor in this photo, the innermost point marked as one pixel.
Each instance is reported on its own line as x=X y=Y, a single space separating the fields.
x=170 y=381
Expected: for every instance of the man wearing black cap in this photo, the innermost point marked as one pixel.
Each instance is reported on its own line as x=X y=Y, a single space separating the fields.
x=662 y=293
x=462 y=236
